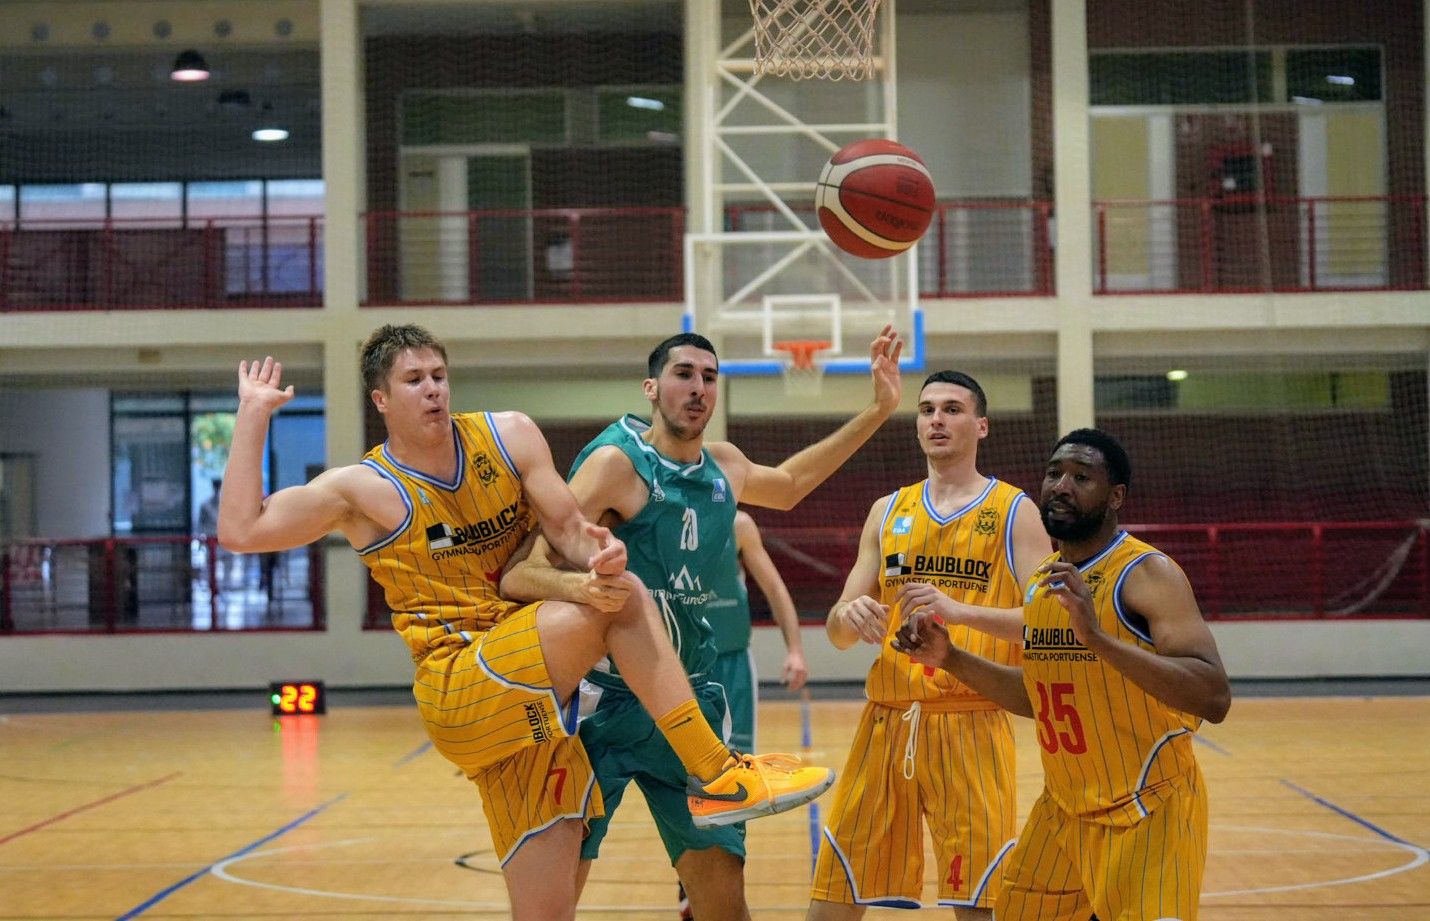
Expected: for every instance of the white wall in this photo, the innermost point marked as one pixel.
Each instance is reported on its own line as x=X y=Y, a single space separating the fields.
x=68 y=432
x=965 y=101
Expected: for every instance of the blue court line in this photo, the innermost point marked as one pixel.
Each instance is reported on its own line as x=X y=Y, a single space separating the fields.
x=1349 y=815
x=1196 y=737
x=413 y=754
x=163 y=894
x=813 y=837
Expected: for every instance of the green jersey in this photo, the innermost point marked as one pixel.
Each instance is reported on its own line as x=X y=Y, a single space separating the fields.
x=729 y=613
x=681 y=543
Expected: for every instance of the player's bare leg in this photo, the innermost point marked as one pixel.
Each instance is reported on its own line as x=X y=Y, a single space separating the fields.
x=715 y=883
x=535 y=874
x=833 y=911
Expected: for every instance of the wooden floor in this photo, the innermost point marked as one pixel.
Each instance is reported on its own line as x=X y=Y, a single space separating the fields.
x=1320 y=810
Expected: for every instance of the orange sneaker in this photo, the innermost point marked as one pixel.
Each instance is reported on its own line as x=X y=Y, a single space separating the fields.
x=751 y=786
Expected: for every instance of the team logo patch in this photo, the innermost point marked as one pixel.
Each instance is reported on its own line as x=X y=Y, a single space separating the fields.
x=1094 y=582
x=894 y=565
x=656 y=493
x=485 y=471
x=717 y=490
x=987 y=522
x=440 y=536
x=903 y=524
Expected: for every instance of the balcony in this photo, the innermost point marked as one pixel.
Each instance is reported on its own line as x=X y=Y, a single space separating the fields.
x=146 y=264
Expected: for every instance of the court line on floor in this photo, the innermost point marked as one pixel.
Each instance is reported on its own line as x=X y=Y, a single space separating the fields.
x=1346 y=813
x=87 y=806
x=163 y=894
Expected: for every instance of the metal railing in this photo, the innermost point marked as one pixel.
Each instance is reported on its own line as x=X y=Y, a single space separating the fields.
x=148 y=264
x=137 y=584
x=1253 y=243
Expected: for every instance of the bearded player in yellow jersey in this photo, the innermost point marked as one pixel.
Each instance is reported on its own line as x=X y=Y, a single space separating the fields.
x=928 y=749
x=436 y=512
x=1119 y=669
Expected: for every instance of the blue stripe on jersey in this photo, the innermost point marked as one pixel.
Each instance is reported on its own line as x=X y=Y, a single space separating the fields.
x=501 y=446
x=1142 y=633
x=406 y=500
x=1147 y=767
x=941 y=519
x=888 y=510
x=427 y=478
x=1016 y=504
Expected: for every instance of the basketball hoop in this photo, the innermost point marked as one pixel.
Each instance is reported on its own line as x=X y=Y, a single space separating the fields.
x=804 y=376
x=815 y=39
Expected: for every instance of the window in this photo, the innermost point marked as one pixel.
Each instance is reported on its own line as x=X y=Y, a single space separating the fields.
x=638 y=114
x=1179 y=78
x=1333 y=74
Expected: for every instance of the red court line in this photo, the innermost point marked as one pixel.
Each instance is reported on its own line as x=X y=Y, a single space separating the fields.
x=78 y=809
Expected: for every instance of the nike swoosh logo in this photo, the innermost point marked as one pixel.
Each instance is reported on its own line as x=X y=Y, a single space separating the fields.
x=682 y=722
x=739 y=794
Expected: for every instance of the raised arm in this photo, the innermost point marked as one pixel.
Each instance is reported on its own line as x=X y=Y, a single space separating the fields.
x=1185 y=671
x=756 y=560
x=249 y=523
x=858 y=614
x=784 y=486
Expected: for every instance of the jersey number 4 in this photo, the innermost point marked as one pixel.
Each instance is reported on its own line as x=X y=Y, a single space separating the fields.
x=1059 y=726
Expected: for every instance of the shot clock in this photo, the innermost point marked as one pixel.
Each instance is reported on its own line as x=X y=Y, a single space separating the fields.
x=290 y=698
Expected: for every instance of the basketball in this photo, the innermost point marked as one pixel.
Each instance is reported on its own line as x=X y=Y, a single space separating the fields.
x=875 y=198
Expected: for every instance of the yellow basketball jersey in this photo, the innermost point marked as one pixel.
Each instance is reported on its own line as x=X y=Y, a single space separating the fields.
x=1110 y=750
x=968 y=555
x=440 y=568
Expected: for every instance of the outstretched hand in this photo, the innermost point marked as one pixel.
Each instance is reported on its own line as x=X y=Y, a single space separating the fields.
x=259 y=383
x=884 y=354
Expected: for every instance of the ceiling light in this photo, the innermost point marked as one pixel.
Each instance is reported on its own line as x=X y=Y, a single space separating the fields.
x=1340 y=80
x=641 y=102
x=268 y=129
x=189 y=67
x=1176 y=375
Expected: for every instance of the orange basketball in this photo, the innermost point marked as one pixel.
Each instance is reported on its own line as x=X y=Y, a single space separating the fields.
x=875 y=198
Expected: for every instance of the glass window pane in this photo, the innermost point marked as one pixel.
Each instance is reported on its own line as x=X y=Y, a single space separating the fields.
x=7 y=203
x=1179 y=78
x=83 y=202
x=485 y=118
x=225 y=200
x=147 y=203
x=642 y=114
x=296 y=197
x=151 y=474
x=1333 y=74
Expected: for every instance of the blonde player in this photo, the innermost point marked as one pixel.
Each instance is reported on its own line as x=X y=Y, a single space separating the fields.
x=435 y=512
x=1119 y=670
x=928 y=748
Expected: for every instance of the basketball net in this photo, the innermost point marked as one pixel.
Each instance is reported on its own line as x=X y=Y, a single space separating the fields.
x=804 y=377
x=815 y=39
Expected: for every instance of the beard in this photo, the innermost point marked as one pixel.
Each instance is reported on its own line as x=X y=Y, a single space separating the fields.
x=1079 y=528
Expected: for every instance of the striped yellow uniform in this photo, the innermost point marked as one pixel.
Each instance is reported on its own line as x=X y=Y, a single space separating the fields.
x=481 y=682
x=1121 y=826
x=928 y=748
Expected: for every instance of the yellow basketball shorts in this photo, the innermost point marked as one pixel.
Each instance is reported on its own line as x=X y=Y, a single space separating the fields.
x=1064 y=867
x=490 y=709
x=951 y=770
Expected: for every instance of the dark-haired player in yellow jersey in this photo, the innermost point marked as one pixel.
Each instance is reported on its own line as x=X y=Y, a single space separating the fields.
x=928 y=748
x=1119 y=669
x=436 y=511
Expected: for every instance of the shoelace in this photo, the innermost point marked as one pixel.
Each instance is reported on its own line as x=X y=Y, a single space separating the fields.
x=774 y=761
x=911 y=716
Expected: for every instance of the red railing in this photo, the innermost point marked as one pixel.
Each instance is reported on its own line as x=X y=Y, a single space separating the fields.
x=1240 y=571
x=141 y=263
x=544 y=255
x=1252 y=243
x=137 y=584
